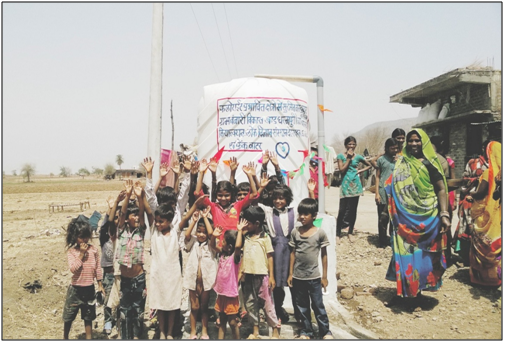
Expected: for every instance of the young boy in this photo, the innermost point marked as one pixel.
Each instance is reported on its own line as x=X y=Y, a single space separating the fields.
x=304 y=276
x=258 y=266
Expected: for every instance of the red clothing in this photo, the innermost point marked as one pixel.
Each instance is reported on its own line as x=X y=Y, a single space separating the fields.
x=87 y=270
x=228 y=220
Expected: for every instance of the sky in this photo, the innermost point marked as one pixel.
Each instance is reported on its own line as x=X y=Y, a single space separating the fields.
x=76 y=76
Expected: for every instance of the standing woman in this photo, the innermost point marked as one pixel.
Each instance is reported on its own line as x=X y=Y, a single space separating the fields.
x=351 y=188
x=485 y=247
x=417 y=202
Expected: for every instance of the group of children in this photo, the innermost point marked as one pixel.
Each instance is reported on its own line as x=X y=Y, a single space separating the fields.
x=243 y=242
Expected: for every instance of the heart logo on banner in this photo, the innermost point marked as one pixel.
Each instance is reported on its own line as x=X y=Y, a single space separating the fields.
x=282 y=149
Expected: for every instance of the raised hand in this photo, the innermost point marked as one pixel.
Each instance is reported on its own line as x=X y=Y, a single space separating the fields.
x=187 y=163
x=128 y=185
x=249 y=169
x=233 y=163
x=203 y=165
x=213 y=165
x=218 y=230
x=164 y=168
x=205 y=212
x=176 y=167
x=311 y=184
x=264 y=180
x=138 y=189
x=196 y=215
x=274 y=159
x=200 y=199
x=121 y=196
x=266 y=157
x=148 y=164
x=195 y=165
x=242 y=224
x=252 y=167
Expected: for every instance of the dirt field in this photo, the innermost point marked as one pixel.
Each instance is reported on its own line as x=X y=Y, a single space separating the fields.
x=33 y=249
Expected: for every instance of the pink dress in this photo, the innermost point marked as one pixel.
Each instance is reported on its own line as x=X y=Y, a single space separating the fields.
x=227 y=277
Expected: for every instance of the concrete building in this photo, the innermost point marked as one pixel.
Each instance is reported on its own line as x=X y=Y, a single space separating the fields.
x=463 y=106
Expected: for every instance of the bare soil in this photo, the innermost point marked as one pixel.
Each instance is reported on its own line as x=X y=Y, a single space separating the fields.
x=33 y=249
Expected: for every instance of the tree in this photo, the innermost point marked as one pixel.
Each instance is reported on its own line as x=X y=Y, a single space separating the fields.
x=14 y=173
x=65 y=171
x=97 y=171
x=83 y=172
x=27 y=171
x=51 y=175
x=119 y=160
x=109 y=169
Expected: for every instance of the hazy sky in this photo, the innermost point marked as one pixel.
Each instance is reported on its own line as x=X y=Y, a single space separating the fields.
x=76 y=76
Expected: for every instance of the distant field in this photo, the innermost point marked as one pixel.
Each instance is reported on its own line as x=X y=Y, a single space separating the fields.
x=43 y=184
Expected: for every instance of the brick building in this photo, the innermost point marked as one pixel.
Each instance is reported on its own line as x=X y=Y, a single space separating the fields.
x=463 y=106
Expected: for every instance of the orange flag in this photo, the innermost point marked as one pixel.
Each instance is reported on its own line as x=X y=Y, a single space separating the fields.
x=321 y=107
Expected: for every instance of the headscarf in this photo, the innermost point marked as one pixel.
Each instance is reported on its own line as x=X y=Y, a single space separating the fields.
x=487 y=212
x=413 y=203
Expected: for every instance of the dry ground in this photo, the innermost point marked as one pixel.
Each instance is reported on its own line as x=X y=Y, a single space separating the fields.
x=33 y=249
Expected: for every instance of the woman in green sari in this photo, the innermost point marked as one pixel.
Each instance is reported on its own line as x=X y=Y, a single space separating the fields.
x=417 y=204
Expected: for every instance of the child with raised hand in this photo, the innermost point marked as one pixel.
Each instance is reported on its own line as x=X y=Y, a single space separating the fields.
x=226 y=286
x=201 y=269
x=84 y=265
x=130 y=256
x=258 y=268
x=304 y=275
x=165 y=276
x=280 y=220
x=177 y=197
x=225 y=212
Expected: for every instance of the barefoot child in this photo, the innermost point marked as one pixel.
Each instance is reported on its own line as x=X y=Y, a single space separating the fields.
x=166 y=277
x=201 y=269
x=304 y=276
x=280 y=221
x=130 y=256
x=258 y=268
x=84 y=265
x=226 y=287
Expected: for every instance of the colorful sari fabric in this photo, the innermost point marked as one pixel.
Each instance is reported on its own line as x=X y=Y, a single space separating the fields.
x=485 y=248
x=418 y=260
x=473 y=170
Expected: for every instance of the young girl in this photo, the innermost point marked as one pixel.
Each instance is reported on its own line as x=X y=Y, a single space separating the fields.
x=226 y=287
x=201 y=269
x=385 y=166
x=280 y=222
x=225 y=212
x=84 y=265
x=351 y=188
x=166 y=278
x=258 y=269
x=399 y=135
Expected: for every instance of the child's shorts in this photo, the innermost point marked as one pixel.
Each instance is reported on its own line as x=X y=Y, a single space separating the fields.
x=80 y=298
x=226 y=304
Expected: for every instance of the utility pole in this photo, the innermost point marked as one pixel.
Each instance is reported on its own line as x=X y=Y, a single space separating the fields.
x=155 y=98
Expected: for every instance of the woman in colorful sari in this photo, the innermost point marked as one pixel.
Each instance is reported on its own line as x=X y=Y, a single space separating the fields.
x=485 y=247
x=417 y=204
